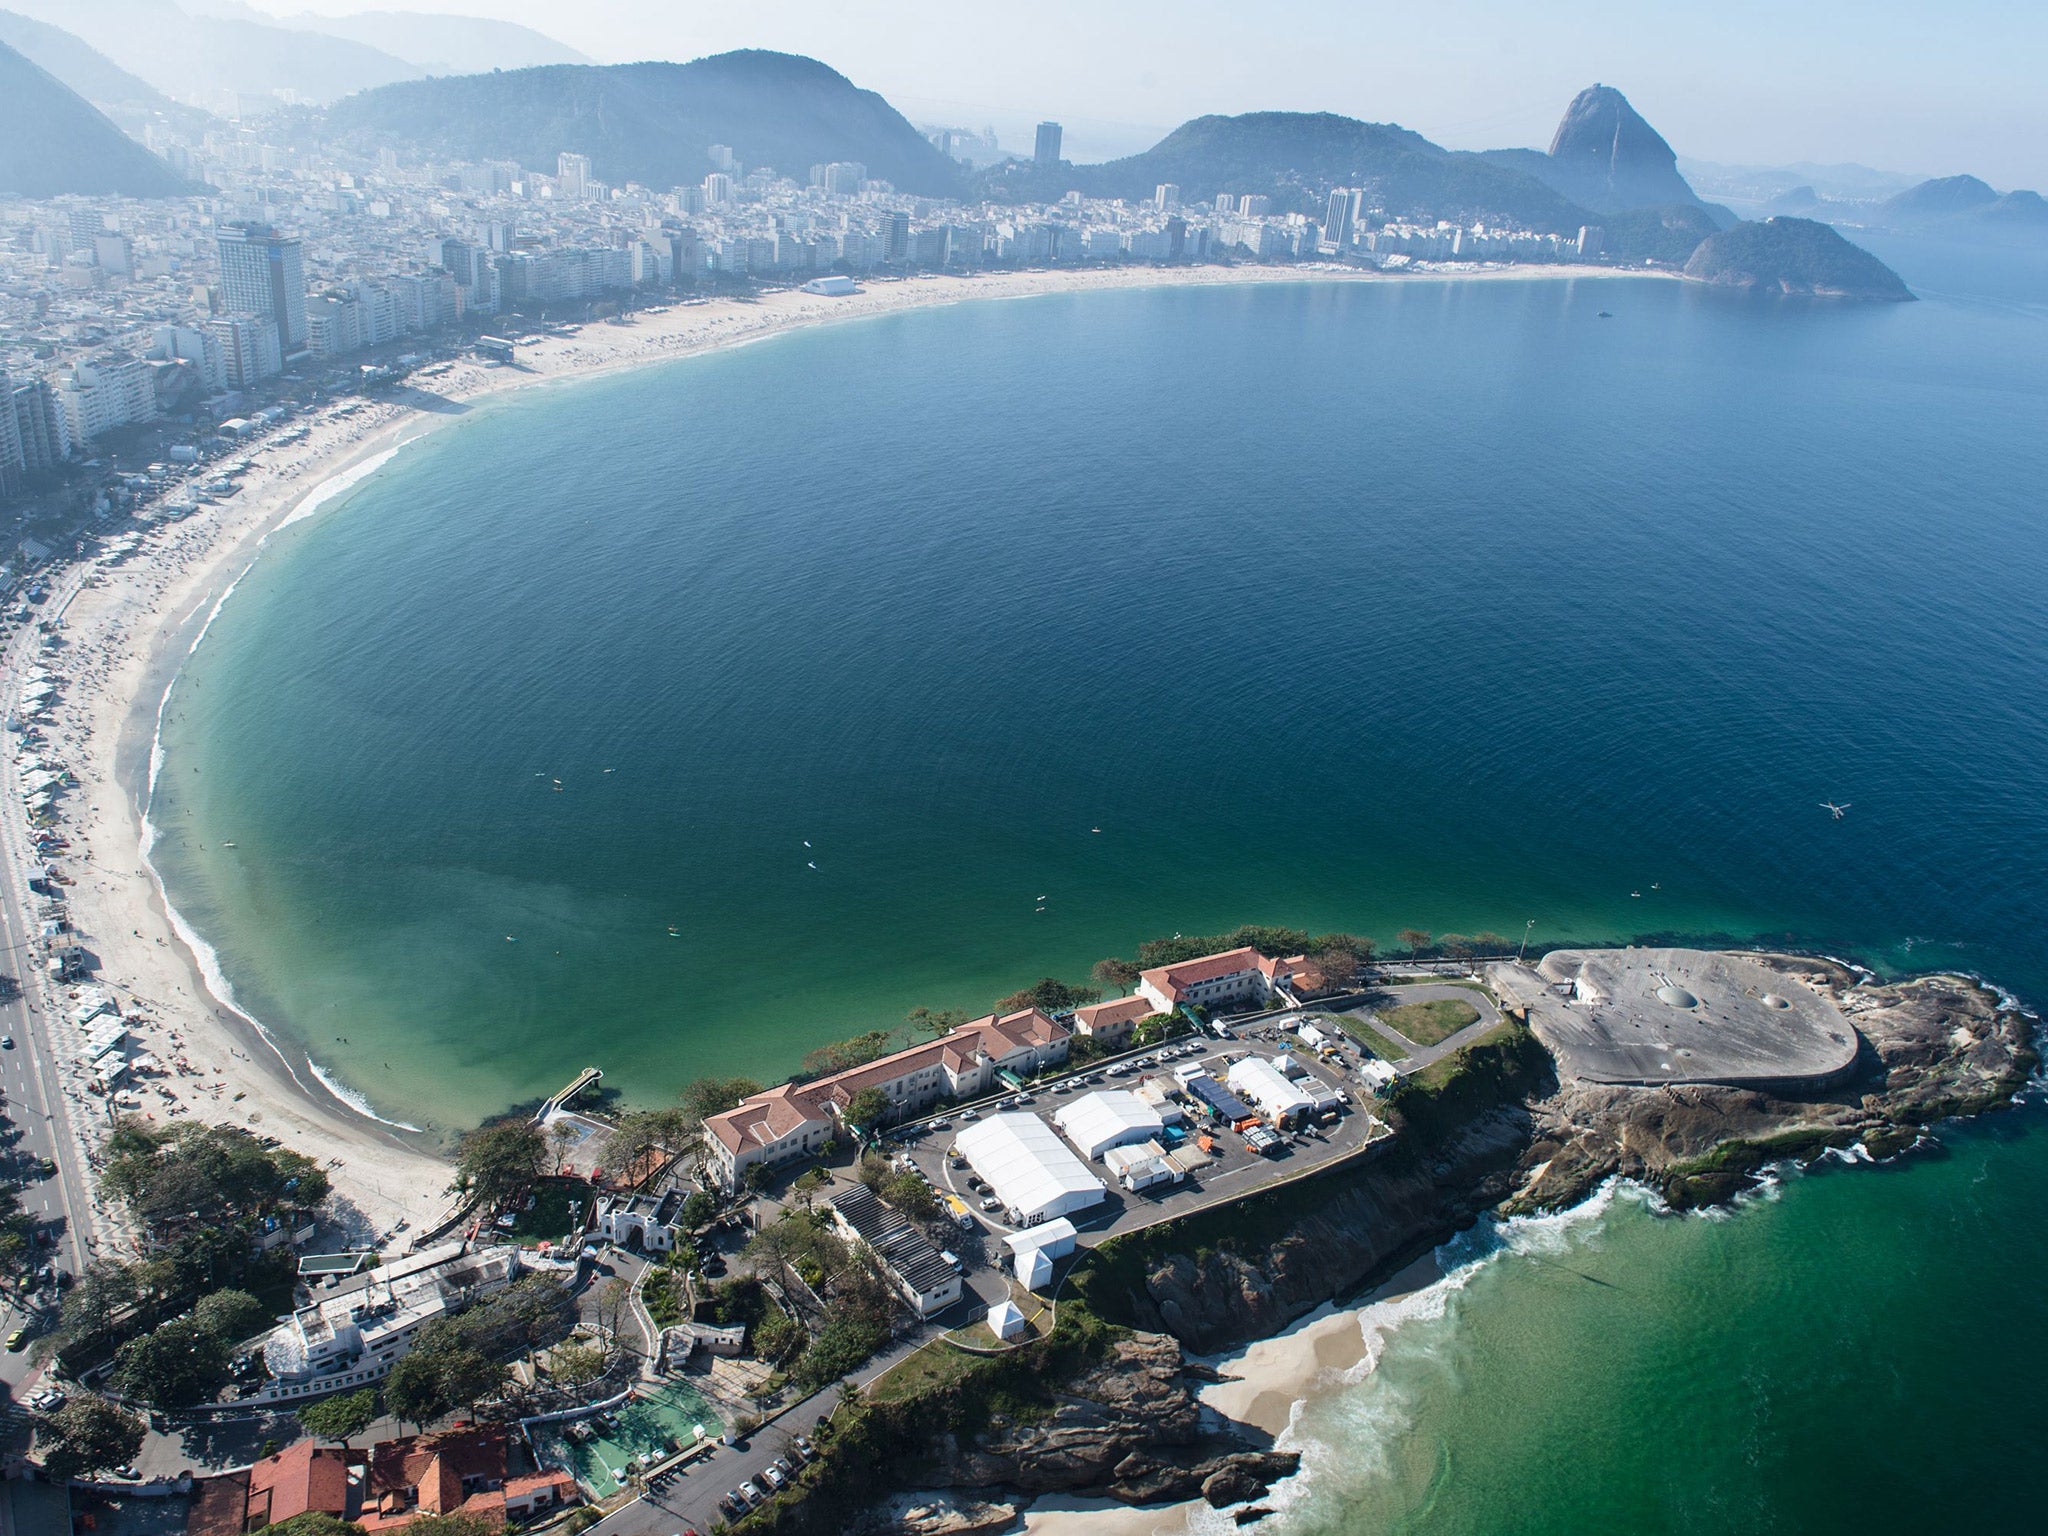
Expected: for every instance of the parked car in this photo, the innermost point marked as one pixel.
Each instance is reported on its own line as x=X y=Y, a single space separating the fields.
x=988 y=1203
x=777 y=1478
x=751 y=1491
x=805 y=1449
x=15 y=1340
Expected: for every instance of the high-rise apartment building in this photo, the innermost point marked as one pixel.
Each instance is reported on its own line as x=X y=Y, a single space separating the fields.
x=261 y=273
x=1166 y=197
x=13 y=461
x=572 y=176
x=896 y=238
x=1046 y=151
x=717 y=190
x=1340 y=218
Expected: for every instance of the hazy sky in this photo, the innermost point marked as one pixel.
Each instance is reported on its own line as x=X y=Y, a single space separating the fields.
x=1920 y=86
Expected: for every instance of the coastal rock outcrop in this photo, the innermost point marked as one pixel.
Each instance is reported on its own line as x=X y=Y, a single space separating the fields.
x=1215 y=1297
x=1933 y=1047
x=1798 y=257
x=1128 y=1427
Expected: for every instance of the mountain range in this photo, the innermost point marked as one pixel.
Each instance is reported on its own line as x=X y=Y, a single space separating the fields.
x=201 y=51
x=53 y=141
x=654 y=123
x=128 y=99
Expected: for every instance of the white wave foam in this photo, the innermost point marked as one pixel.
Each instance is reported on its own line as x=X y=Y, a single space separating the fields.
x=337 y=486
x=1355 y=1433
x=352 y=1099
x=204 y=955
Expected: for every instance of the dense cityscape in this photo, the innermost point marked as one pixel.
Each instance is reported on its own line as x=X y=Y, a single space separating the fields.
x=520 y=805
x=116 y=313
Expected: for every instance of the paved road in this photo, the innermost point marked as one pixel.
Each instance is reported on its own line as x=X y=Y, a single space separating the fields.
x=1420 y=1056
x=29 y=1074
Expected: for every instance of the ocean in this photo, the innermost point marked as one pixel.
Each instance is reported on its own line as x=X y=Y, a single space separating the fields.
x=680 y=721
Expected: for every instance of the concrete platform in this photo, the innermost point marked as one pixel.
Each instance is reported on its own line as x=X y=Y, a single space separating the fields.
x=1659 y=1016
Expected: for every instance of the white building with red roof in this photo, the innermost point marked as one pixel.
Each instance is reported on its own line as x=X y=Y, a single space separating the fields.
x=1113 y=1021
x=793 y=1120
x=1210 y=981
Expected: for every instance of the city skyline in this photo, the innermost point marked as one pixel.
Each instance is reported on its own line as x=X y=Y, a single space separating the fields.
x=1888 y=85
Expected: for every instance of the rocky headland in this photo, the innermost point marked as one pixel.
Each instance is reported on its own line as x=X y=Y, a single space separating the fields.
x=1108 y=1406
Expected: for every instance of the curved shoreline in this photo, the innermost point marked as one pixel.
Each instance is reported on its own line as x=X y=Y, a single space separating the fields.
x=191 y=567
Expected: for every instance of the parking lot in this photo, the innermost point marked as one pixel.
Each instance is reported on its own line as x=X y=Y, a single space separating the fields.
x=1230 y=1171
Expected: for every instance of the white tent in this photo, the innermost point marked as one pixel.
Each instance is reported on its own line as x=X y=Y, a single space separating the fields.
x=1034 y=1269
x=1256 y=1079
x=1115 y=1118
x=1005 y=1321
x=1055 y=1238
x=1029 y=1169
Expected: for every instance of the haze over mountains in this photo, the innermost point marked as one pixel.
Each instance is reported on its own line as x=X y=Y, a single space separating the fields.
x=210 y=52
x=654 y=123
x=52 y=141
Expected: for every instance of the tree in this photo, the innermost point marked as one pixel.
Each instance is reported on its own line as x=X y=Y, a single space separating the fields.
x=1487 y=942
x=866 y=1109
x=413 y=1390
x=340 y=1417
x=912 y=1196
x=177 y=1364
x=698 y=1209
x=648 y=1133
x=468 y=1376
x=809 y=1182
x=87 y=1435
x=561 y=1133
x=1050 y=995
x=230 y=1316
x=710 y=1096
x=1115 y=975
x=498 y=1163
x=574 y=1364
x=843 y=1055
x=936 y=1021
x=314 y=1522
x=1457 y=946
x=1414 y=940
x=454 y=1524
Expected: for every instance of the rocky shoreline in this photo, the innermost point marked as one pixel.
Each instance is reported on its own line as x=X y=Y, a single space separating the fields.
x=1516 y=1139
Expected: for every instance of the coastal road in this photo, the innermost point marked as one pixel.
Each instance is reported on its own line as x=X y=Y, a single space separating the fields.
x=30 y=1080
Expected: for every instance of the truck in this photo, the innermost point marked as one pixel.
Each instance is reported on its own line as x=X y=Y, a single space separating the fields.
x=957 y=1209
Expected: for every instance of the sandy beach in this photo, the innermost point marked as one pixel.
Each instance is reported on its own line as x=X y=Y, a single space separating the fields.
x=129 y=626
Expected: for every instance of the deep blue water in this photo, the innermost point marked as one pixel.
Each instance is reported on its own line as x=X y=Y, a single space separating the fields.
x=1451 y=605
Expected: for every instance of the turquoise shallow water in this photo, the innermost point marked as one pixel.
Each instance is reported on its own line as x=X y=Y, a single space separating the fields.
x=1363 y=606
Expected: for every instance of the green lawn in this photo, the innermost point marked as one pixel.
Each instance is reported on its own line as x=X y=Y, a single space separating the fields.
x=550 y=1218
x=932 y=1369
x=1427 y=1023
x=1374 y=1041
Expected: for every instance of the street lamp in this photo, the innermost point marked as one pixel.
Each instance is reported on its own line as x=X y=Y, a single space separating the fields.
x=1528 y=928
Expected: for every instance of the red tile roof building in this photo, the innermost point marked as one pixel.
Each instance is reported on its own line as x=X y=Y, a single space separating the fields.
x=1112 y=1022
x=793 y=1120
x=384 y=1488
x=1235 y=975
